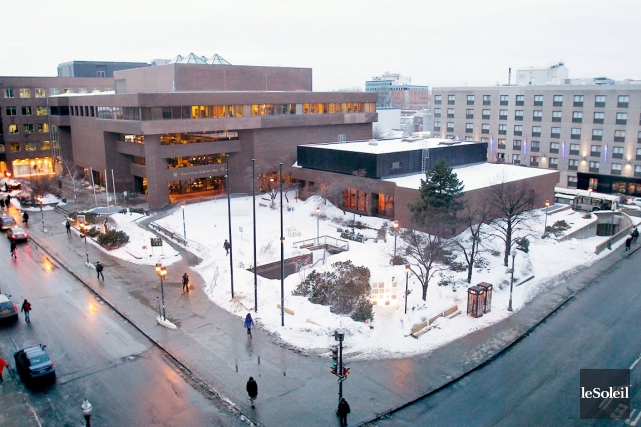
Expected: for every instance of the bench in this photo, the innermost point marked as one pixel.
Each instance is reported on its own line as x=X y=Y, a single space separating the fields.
x=420 y=329
x=286 y=310
x=262 y=205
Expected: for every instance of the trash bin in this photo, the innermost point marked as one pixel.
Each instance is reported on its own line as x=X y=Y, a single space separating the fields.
x=487 y=301
x=475 y=301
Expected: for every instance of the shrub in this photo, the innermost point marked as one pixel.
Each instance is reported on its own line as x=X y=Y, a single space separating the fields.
x=113 y=239
x=523 y=244
x=140 y=211
x=90 y=217
x=398 y=260
x=93 y=231
x=346 y=290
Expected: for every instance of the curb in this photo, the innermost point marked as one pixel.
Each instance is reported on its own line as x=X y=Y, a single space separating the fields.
x=227 y=403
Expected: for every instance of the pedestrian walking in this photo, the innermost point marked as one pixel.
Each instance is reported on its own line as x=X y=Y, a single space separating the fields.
x=227 y=246
x=635 y=234
x=343 y=410
x=2 y=204
x=3 y=363
x=68 y=226
x=25 y=218
x=14 y=250
x=252 y=390
x=26 y=308
x=628 y=241
x=99 y=269
x=249 y=323
x=186 y=282
x=8 y=201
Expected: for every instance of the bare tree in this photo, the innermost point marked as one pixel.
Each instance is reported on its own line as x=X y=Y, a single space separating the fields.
x=348 y=89
x=423 y=254
x=470 y=245
x=511 y=204
x=378 y=132
x=76 y=175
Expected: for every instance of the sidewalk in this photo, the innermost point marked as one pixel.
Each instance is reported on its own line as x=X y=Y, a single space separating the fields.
x=294 y=389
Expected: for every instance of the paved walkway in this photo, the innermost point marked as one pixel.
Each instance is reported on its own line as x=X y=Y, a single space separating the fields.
x=294 y=389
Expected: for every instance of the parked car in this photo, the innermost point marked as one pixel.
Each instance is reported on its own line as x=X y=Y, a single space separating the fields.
x=17 y=233
x=34 y=365
x=635 y=201
x=6 y=222
x=8 y=311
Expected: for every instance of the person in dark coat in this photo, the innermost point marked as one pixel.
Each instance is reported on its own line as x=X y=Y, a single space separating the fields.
x=343 y=410
x=186 y=282
x=26 y=308
x=252 y=390
x=14 y=249
x=249 y=322
x=2 y=204
x=635 y=234
x=99 y=269
x=227 y=246
x=68 y=226
x=8 y=201
x=25 y=218
x=628 y=241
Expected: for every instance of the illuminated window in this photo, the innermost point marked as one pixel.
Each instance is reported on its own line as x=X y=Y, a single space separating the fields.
x=45 y=145
x=43 y=127
x=28 y=128
x=26 y=110
x=14 y=146
x=9 y=93
x=41 y=111
x=39 y=92
x=30 y=146
x=13 y=128
x=25 y=93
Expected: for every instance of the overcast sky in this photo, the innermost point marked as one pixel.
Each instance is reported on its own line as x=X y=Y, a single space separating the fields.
x=345 y=42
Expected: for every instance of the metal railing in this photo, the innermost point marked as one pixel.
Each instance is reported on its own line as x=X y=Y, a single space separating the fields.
x=322 y=241
x=172 y=235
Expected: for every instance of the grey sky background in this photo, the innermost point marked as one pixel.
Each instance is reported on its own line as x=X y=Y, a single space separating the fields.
x=346 y=42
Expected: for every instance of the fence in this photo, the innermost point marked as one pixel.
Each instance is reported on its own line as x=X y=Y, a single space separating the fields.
x=172 y=235
x=323 y=241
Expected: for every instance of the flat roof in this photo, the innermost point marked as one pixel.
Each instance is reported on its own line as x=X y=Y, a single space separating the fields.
x=478 y=176
x=378 y=146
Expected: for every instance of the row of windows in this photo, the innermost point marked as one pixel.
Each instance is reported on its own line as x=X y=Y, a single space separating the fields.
x=28 y=146
x=213 y=111
x=575 y=149
x=41 y=92
x=555 y=132
x=537 y=116
x=557 y=100
x=29 y=128
x=25 y=110
x=553 y=163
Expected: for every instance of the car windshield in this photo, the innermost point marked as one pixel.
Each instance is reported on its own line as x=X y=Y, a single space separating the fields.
x=6 y=304
x=39 y=359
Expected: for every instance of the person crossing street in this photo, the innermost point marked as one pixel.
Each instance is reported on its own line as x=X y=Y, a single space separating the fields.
x=26 y=308
x=186 y=282
x=249 y=323
x=14 y=249
x=99 y=269
x=252 y=390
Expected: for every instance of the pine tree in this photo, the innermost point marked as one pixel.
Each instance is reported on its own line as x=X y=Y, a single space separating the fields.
x=440 y=196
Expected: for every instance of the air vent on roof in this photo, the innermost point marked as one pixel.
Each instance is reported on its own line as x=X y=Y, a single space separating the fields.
x=410 y=139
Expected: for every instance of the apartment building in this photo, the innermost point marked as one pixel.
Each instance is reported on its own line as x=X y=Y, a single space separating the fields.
x=591 y=134
x=396 y=91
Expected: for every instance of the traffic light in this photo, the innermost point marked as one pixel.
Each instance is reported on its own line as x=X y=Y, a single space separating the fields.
x=334 y=350
x=345 y=371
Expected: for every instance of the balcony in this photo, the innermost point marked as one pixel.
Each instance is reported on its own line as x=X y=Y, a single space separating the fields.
x=538 y=103
x=487 y=102
x=534 y=164
x=520 y=103
x=485 y=131
x=450 y=129
x=485 y=117
x=502 y=132
x=557 y=104
x=451 y=102
x=503 y=103
x=516 y=147
x=501 y=146
x=617 y=155
x=518 y=133
x=534 y=149
x=502 y=117
x=573 y=167
x=450 y=115
x=469 y=130
x=470 y=102
x=593 y=170
x=469 y=116
x=518 y=118
x=615 y=172
x=554 y=150
x=553 y=165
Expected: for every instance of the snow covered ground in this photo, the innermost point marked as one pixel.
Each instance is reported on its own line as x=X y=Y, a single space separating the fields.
x=311 y=326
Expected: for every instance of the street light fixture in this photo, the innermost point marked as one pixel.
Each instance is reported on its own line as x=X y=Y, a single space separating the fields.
x=86 y=412
x=545 y=227
x=182 y=207
x=318 y=225
x=395 y=225
x=509 y=307
x=407 y=276
x=162 y=272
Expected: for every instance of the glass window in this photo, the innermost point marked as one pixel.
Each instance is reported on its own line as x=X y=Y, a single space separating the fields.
x=450 y=112
x=28 y=128
x=518 y=114
x=45 y=145
x=487 y=99
x=41 y=111
x=599 y=101
x=451 y=99
x=504 y=99
x=538 y=99
x=9 y=93
x=594 y=165
x=574 y=149
x=535 y=145
x=597 y=132
x=470 y=99
x=43 y=127
x=14 y=146
x=537 y=114
x=576 y=131
x=54 y=91
x=39 y=92
x=13 y=128
x=520 y=98
x=11 y=111
x=557 y=100
x=25 y=93
x=30 y=146
x=437 y=99
x=26 y=110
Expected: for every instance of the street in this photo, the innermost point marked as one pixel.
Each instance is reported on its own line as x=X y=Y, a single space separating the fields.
x=536 y=381
x=97 y=355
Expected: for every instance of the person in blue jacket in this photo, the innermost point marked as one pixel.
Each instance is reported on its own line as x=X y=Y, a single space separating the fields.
x=249 y=323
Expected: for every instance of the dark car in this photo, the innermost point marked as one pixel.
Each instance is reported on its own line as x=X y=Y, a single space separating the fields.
x=33 y=365
x=17 y=233
x=6 y=222
x=8 y=311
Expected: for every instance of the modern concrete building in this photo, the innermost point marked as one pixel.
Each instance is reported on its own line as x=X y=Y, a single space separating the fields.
x=380 y=177
x=397 y=91
x=95 y=68
x=168 y=129
x=589 y=133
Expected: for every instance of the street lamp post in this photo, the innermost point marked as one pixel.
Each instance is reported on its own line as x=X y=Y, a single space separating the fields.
x=611 y=231
x=42 y=215
x=86 y=412
x=182 y=207
x=545 y=227
x=83 y=234
x=509 y=307
x=318 y=225
x=395 y=234
x=407 y=276
x=162 y=272
x=590 y=190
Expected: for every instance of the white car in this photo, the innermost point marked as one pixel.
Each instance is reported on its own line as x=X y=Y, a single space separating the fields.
x=635 y=201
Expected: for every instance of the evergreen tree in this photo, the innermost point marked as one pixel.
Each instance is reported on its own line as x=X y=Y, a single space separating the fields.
x=440 y=196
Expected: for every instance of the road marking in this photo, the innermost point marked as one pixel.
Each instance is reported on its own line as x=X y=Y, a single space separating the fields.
x=34 y=414
x=635 y=362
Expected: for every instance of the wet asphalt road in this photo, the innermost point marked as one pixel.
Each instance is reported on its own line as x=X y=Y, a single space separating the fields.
x=98 y=355
x=536 y=382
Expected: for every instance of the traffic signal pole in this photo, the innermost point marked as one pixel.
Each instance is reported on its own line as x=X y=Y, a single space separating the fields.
x=340 y=370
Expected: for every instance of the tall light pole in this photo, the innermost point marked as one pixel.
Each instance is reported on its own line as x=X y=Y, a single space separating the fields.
x=611 y=231
x=407 y=277
x=545 y=227
x=83 y=234
x=282 y=252
x=42 y=215
x=395 y=234
x=231 y=252
x=182 y=207
x=162 y=272
x=318 y=225
x=590 y=190
x=509 y=307
x=254 y=211
x=86 y=412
